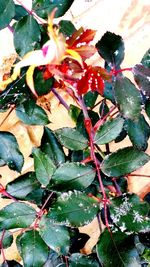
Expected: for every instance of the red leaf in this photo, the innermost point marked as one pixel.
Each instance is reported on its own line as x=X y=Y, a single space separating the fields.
x=86 y=37
x=86 y=51
x=90 y=80
x=81 y=37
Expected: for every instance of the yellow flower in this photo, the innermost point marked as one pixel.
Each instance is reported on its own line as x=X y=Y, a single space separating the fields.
x=53 y=52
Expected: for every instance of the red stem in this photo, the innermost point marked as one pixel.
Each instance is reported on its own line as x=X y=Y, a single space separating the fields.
x=41 y=211
x=90 y=131
x=5 y=193
x=116 y=72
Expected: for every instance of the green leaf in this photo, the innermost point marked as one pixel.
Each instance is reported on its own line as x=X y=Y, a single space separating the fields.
x=124 y=161
x=146 y=59
x=26 y=35
x=74 y=112
x=7 y=238
x=118 y=250
x=127 y=97
x=36 y=196
x=9 y=151
x=43 y=165
x=44 y=7
x=32 y=248
x=138 y=132
x=147 y=108
x=23 y=185
x=80 y=260
x=109 y=92
x=70 y=176
x=20 y=12
x=109 y=131
x=73 y=209
x=71 y=138
x=41 y=85
x=142 y=78
x=103 y=108
x=129 y=213
x=51 y=147
x=16 y=215
x=7 y=12
x=32 y=114
x=55 y=236
x=111 y=48
x=54 y=260
x=90 y=99
x=66 y=27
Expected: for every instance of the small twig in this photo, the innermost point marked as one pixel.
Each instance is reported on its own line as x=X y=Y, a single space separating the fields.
x=41 y=211
x=140 y=175
x=61 y=100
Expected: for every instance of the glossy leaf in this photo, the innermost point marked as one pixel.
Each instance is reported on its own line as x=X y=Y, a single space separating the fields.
x=70 y=176
x=80 y=260
x=43 y=165
x=138 y=132
x=146 y=59
x=54 y=259
x=31 y=114
x=16 y=215
x=9 y=151
x=142 y=78
x=129 y=213
x=124 y=161
x=7 y=12
x=147 y=108
x=67 y=27
x=23 y=185
x=7 y=238
x=111 y=48
x=103 y=108
x=54 y=235
x=71 y=138
x=51 y=147
x=90 y=99
x=26 y=35
x=118 y=250
x=109 y=131
x=73 y=209
x=44 y=7
x=32 y=248
x=127 y=97
x=42 y=86
x=74 y=112
x=20 y=12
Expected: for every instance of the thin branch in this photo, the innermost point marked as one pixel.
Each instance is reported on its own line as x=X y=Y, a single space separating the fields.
x=140 y=175
x=61 y=100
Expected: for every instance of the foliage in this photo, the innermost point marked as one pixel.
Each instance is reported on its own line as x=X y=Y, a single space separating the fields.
x=75 y=179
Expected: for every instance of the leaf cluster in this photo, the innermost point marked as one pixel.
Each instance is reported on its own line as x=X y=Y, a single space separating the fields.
x=74 y=179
